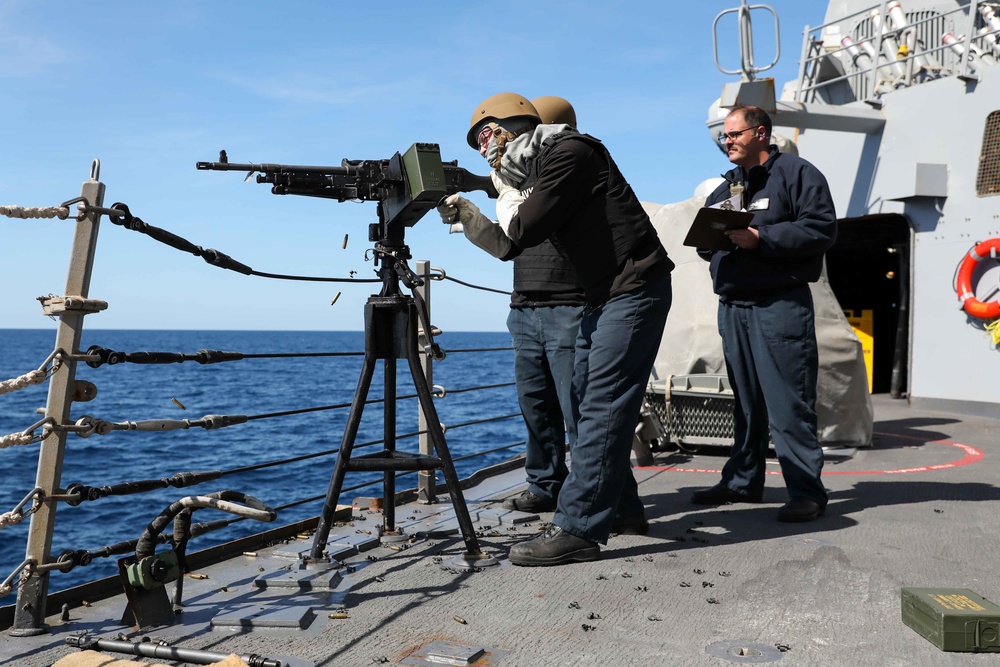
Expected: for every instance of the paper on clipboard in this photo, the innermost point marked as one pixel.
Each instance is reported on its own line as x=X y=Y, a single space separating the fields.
x=712 y=222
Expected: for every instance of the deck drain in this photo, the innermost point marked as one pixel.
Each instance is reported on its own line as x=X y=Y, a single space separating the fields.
x=744 y=652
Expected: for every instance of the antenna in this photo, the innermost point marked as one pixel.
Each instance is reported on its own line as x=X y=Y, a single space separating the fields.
x=747 y=69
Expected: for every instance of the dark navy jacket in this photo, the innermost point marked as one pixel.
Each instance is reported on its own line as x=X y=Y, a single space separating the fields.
x=581 y=203
x=794 y=215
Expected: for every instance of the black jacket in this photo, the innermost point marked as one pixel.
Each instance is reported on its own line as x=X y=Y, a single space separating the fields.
x=581 y=202
x=794 y=215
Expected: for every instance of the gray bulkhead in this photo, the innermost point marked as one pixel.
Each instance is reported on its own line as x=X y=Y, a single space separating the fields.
x=905 y=147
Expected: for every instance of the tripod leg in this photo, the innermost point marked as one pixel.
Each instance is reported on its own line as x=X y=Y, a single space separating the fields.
x=389 y=437
x=437 y=437
x=343 y=457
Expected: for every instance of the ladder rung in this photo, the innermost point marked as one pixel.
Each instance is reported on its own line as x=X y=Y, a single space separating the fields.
x=394 y=461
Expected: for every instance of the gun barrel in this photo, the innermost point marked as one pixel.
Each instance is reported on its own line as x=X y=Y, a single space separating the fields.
x=347 y=170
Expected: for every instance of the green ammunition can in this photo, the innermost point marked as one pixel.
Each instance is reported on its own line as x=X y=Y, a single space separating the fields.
x=953 y=619
x=424 y=172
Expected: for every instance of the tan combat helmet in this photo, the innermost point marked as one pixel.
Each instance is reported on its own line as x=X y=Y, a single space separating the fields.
x=555 y=111
x=500 y=107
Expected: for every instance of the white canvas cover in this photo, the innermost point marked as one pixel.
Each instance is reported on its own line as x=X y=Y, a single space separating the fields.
x=691 y=343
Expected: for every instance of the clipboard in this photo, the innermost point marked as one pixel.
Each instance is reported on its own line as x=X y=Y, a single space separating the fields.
x=710 y=226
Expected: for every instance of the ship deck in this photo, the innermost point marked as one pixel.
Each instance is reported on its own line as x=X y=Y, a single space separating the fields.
x=707 y=586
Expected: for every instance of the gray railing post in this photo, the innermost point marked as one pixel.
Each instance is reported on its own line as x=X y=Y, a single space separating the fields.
x=29 y=616
x=426 y=479
x=873 y=84
x=970 y=32
x=806 y=40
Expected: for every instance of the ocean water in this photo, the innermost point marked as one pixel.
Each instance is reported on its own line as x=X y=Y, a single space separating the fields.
x=252 y=387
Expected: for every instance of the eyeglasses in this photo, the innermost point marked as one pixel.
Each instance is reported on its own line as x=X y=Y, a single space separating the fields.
x=484 y=137
x=723 y=136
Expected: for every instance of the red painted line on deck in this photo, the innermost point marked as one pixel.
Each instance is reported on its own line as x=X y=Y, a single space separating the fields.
x=971 y=455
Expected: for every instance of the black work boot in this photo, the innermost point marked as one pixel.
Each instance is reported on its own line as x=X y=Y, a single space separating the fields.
x=530 y=502
x=800 y=511
x=554 y=547
x=634 y=524
x=720 y=494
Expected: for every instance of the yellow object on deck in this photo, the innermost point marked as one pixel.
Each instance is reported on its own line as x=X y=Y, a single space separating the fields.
x=864 y=329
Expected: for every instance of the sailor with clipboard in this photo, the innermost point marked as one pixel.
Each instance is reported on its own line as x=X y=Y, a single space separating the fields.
x=762 y=261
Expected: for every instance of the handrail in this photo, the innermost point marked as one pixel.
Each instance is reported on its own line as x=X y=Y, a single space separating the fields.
x=905 y=73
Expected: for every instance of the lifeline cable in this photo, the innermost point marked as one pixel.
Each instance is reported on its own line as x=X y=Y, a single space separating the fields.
x=100 y=356
x=479 y=287
x=184 y=479
x=119 y=215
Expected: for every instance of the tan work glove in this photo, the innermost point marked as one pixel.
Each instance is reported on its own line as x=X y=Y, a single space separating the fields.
x=479 y=229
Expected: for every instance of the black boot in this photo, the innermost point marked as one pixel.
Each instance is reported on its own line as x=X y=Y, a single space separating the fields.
x=530 y=502
x=720 y=494
x=799 y=511
x=635 y=524
x=554 y=547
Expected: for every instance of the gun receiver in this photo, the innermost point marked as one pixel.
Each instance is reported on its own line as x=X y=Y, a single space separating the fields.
x=405 y=186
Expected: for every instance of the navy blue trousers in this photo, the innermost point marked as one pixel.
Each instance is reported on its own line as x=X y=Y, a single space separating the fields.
x=615 y=351
x=544 y=339
x=772 y=361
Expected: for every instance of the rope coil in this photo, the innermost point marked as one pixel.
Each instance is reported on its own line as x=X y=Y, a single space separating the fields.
x=993 y=329
x=26 y=212
x=15 y=439
x=36 y=376
x=27 y=567
x=22 y=381
x=27 y=436
x=18 y=514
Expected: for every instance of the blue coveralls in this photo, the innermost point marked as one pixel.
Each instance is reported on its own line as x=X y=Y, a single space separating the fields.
x=544 y=339
x=766 y=321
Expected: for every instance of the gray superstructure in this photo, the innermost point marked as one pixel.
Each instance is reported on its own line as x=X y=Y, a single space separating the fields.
x=910 y=143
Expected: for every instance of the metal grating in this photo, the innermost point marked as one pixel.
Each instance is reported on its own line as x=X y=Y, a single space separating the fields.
x=699 y=410
x=988 y=178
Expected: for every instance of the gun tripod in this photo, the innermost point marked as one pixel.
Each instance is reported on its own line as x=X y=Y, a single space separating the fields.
x=390 y=334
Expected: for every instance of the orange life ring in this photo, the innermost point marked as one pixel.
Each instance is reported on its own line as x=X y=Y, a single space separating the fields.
x=963 y=282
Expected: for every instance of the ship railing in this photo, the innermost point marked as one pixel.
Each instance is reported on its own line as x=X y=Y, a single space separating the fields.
x=885 y=48
x=30 y=579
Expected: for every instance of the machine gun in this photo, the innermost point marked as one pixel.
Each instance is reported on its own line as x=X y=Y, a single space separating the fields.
x=405 y=186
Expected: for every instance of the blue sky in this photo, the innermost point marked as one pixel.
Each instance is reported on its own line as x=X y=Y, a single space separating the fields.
x=151 y=88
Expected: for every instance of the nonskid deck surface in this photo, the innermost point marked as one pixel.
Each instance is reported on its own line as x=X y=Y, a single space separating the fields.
x=706 y=586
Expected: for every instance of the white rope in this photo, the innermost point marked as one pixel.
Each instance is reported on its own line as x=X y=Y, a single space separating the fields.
x=25 y=212
x=15 y=439
x=34 y=377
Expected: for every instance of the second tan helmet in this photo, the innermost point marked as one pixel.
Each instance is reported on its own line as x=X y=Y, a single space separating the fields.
x=555 y=110
x=499 y=107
